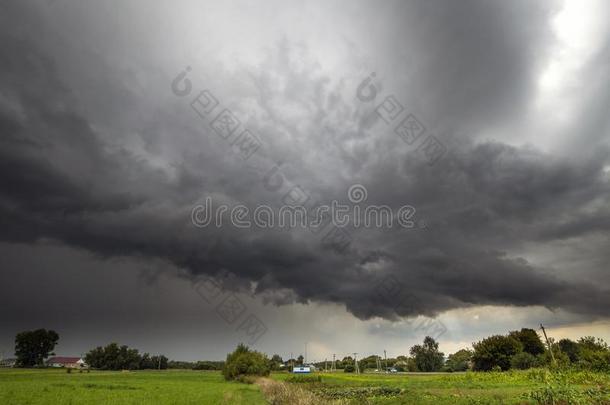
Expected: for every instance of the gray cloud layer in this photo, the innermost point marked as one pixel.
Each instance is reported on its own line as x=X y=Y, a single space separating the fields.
x=105 y=158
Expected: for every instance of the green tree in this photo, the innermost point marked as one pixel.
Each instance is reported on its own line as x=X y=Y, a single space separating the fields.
x=459 y=361
x=349 y=368
x=523 y=361
x=495 y=351
x=530 y=341
x=33 y=347
x=570 y=348
x=427 y=357
x=159 y=362
x=244 y=361
x=300 y=360
x=275 y=362
x=115 y=357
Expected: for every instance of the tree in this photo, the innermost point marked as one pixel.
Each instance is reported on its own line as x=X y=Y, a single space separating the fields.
x=244 y=361
x=530 y=341
x=459 y=361
x=349 y=368
x=159 y=362
x=275 y=362
x=300 y=360
x=33 y=347
x=495 y=351
x=593 y=354
x=115 y=357
x=427 y=357
x=570 y=348
x=523 y=361
x=146 y=363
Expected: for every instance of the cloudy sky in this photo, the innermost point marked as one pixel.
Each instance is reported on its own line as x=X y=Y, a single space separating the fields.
x=111 y=133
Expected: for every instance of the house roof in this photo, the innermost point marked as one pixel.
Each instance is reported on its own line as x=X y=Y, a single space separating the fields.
x=63 y=360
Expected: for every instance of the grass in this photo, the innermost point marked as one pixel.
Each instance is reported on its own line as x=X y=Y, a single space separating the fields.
x=200 y=387
x=55 y=386
x=470 y=388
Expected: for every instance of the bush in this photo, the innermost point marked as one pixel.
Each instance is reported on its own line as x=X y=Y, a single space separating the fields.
x=495 y=351
x=304 y=379
x=523 y=361
x=349 y=368
x=244 y=361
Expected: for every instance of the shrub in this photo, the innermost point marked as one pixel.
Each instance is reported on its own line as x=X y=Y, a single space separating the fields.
x=523 y=361
x=349 y=368
x=244 y=361
x=304 y=379
x=495 y=351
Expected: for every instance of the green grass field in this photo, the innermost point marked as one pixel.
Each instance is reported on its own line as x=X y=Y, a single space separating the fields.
x=109 y=387
x=196 y=387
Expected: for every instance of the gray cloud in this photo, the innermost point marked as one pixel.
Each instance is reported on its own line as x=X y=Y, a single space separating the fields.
x=93 y=176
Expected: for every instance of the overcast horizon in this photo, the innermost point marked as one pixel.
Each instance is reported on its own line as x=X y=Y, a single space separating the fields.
x=482 y=128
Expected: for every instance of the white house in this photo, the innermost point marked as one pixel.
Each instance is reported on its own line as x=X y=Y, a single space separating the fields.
x=68 y=362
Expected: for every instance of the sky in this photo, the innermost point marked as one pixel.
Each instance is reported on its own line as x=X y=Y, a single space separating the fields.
x=483 y=127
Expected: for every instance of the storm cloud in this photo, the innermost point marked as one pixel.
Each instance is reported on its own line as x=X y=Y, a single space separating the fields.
x=98 y=153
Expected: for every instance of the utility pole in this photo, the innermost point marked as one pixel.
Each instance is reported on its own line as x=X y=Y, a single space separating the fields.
x=385 y=356
x=548 y=344
x=332 y=367
x=291 y=362
x=356 y=363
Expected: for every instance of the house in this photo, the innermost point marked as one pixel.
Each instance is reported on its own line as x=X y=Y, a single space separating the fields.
x=301 y=369
x=8 y=362
x=68 y=362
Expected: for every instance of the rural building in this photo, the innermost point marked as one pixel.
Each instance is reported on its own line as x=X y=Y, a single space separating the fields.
x=69 y=362
x=301 y=369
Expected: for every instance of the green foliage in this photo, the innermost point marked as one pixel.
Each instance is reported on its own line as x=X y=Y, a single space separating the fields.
x=495 y=351
x=458 y=361
x=530 y=341
x=153 y=363
x=523 y=361
x=570 y=348
x=244 y=361
x=208 y=365
x=349 y=368
x=560 y=387
x=33 y=347
x=304 y=379
x=115 y=357
x=357 y=394
x=427 y=357
x=275 y=362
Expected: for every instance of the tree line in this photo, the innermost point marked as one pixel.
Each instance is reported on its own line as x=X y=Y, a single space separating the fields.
x=521 y=349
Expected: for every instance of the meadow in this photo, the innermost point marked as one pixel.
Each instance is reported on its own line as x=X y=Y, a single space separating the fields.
x=537 y=386
x=56 y=386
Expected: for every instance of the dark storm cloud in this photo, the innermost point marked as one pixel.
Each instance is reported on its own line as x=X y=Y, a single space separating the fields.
x=66 y=177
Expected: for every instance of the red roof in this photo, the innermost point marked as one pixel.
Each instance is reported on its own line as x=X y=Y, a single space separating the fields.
x=63 y=360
